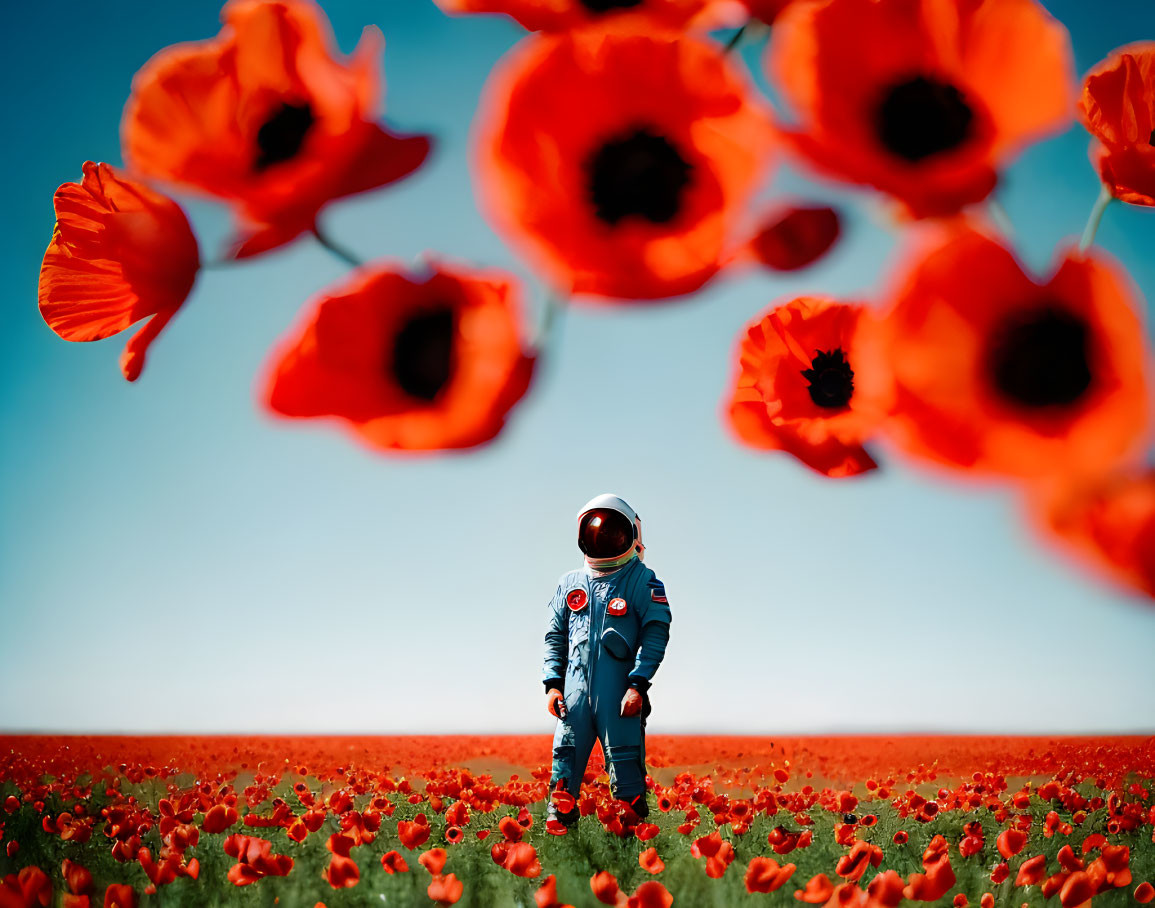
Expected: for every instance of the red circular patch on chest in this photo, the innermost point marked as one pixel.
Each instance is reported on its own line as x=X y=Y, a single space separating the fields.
x=576 y=599
x=616 y=607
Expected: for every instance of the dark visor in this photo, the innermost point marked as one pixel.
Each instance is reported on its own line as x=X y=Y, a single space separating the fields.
x=604 y=533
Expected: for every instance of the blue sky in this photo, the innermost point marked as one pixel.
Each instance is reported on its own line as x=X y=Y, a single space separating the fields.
x=173 y=559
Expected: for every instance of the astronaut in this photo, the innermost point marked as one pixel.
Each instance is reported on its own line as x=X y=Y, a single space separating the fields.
x=609 y=622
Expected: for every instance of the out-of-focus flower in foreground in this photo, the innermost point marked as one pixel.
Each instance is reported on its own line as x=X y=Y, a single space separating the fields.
x=766 y=10
x=416 y=363
x=559 y=15
x=997 y=374
x=922 y=99
x=796 y=386
x=265 y=116
x=619 y=162
x=1108 y=521
x=1118 y=109
x=120 y=252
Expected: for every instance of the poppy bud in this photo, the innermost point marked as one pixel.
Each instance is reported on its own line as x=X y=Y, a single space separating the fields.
x=795 y=238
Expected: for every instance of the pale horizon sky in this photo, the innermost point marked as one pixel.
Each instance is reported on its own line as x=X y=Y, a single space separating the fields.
x=173 y=559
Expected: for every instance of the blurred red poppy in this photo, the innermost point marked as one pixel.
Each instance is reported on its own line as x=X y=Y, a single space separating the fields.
x=119 y=895
x=650 y=894
x=796 y=386
x=342 y=872
x=521 y=860
x=546 y=894
x=650 y=861
x=433 y=860
x=994 y=373
x=1032 y=871
x=766 y=10
x=639 y=197
x=1109 y=521
x=559 y=15
x=922 y=99
x=392 y=862
x=1118 y=108
x=445 y=890
x=764 y=875
x=119 y=253
x=267 y=116
x=816 y=891
x=604 y=886
x=795 y=237
x=414 y=363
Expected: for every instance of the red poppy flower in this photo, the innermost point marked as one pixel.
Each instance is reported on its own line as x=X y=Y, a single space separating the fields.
x=816 y=891
x=604 y=886
x=650 y=894
x=650 y=861
x=218 y=818
x=445 y=890
x=433 y=860
x=923 y=99
x=546 y=895
x=415 y=363
x=119 y=895
x=886 y=890
x=796 y=388
x=120 y=252
x=78 y=878
x=1010 y=842
x=795 y=237
x=415 y=833
x=267 y=116
x=1144 y=893
x=1032 y=871
x=521 y=860
x=638 y=197
x=559 y=15
x=764 y=874
x=392 y=862
x=997 y=374
x=1118 y=109
x=342 y=872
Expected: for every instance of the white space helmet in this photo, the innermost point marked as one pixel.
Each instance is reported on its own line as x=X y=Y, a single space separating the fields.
x=609 y=531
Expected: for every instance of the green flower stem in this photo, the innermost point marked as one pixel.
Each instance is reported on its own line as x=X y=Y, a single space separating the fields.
x=1101 y=203
x=339 y=251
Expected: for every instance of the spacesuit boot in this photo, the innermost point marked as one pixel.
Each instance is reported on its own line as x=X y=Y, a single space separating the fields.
x=639 y=806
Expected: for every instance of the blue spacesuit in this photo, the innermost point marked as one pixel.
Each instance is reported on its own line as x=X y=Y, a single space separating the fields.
x=607 y=632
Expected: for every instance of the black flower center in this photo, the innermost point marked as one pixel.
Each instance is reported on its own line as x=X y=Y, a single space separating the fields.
x=422 y=358
x=921 y=117
x=640 y=174
x=831 y=379
x=1040 y=358
x=603 y=6
x=1151 y=139
x=282 y=134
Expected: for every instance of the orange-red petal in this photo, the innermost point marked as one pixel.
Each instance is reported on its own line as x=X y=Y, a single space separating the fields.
x=120 y=253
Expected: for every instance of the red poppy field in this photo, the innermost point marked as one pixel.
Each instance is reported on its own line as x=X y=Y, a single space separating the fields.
x=461 y=820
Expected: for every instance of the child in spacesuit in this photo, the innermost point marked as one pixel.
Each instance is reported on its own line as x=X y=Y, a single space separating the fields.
x=609 y=622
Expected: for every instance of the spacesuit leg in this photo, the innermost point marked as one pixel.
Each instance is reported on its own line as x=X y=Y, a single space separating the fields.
x=622 y=740
x=573 y=740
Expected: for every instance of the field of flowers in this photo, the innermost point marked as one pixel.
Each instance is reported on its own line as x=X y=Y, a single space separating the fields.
x=461 y=820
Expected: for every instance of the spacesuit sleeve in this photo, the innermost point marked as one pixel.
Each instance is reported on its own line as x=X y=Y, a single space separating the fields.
x=556 y=641
x=655 y=634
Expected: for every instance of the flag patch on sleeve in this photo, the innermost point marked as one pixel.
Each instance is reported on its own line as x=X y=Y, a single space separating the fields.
x=658 y=591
